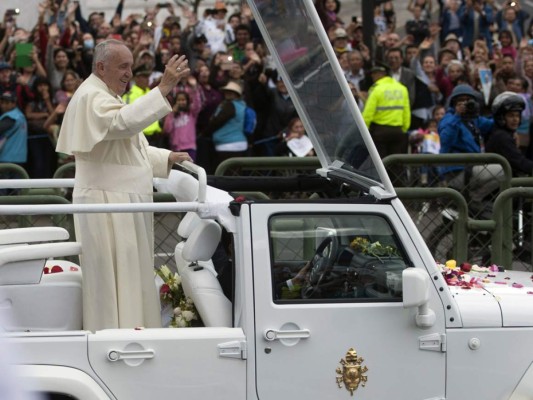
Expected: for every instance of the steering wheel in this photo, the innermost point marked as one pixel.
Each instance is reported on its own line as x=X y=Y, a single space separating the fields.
x=321 y=263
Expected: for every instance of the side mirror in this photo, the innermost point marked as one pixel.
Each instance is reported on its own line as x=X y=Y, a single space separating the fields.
x=416 y=294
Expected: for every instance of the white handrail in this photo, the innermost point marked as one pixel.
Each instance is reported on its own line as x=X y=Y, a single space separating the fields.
x=38 y=209
x=36 y=183
x=69 y=182
x=202 y=179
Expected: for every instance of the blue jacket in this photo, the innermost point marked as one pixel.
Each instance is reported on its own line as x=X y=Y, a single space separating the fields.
x=455 y=137
x=466 y=17
x=233 y=130
x=15 y=148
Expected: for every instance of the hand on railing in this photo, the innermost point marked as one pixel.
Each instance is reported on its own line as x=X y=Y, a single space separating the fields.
x=202 y=178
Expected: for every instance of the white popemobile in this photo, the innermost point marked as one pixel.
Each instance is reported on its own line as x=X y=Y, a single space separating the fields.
x=371 y=317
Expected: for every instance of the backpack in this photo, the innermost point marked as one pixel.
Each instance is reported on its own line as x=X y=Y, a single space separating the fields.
x=250 y=121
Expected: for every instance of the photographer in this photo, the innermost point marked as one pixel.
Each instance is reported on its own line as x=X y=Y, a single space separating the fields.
x=462 y=130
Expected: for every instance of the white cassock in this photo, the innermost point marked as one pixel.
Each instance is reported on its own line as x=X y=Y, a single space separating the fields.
x=114 y=164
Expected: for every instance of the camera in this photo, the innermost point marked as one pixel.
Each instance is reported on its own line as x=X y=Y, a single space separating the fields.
x=471 y=109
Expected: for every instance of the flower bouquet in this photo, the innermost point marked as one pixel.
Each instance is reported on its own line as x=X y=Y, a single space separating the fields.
x=378 y=267
x=373 y=249
x=181 y=308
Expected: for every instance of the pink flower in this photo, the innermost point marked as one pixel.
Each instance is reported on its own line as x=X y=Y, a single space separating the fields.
x=517 y=285
x=164 y=289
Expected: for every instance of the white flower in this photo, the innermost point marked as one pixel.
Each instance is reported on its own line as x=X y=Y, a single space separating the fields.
x=177 y=311
x=188 y=315
x=178 y=279
x=180 y=322
x=165 y=271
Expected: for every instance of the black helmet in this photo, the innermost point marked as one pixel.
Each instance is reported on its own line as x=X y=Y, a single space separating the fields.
x=505 y=102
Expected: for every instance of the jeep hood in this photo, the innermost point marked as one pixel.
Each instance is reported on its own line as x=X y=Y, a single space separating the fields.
x=504 y=300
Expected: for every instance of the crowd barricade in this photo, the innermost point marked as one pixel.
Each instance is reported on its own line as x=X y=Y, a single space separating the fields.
x=258 y=166
x=504 y=238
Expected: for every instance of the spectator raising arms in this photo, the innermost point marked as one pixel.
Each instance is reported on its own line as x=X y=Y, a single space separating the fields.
x=180 y=124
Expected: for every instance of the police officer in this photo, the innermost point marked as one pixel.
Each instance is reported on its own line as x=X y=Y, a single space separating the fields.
x=387 y=113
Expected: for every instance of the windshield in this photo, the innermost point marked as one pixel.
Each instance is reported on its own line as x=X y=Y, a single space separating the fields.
x=329 y=114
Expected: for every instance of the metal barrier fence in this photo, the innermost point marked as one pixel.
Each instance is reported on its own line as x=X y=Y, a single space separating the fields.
x=443 y=215
x=486 y=176
x=165 y=224
x=257 y=166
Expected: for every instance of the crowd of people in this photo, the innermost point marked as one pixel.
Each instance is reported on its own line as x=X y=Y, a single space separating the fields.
x=235 y=104
x=455 y=58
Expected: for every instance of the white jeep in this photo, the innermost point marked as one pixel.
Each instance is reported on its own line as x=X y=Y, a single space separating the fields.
x=373 y=317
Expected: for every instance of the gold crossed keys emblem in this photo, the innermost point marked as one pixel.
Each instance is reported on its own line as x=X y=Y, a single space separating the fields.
x=352 y=373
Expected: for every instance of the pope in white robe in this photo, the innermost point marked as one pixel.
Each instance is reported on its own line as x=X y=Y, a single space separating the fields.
x=114 y=164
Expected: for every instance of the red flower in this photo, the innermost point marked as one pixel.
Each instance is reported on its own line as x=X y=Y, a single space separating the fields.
x=164 y=289
x=466 y=267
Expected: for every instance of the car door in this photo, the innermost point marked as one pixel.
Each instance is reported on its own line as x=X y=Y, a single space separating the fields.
x=352 y=334
x=188 y=363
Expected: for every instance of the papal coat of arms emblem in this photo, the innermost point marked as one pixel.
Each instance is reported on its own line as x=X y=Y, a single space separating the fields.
x=352 y=373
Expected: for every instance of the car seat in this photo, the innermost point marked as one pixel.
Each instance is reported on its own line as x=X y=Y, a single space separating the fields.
x=37 y=292
x=198 y=275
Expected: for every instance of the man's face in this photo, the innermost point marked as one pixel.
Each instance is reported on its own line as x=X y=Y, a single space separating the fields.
x=377 y=75
x=280 y=85
x=6 y=106
x=417 y=12
x=394 y=58
x=242 y=37
x=452 y=45
x=512 y=120
x=5 y=74
x=234 y=21
x=116 y=70
x=509 y=14
x=104 y=29
x=356 y=61
x=410 y=53
x=446 y=58
x=142 y=80
x=507 y=64
x=96 y=20
x=393 y=40
x=236 y=71
x=340 y=42
x=358 y=35
x=460 y=104
x=175 y=45
x=514 y=85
